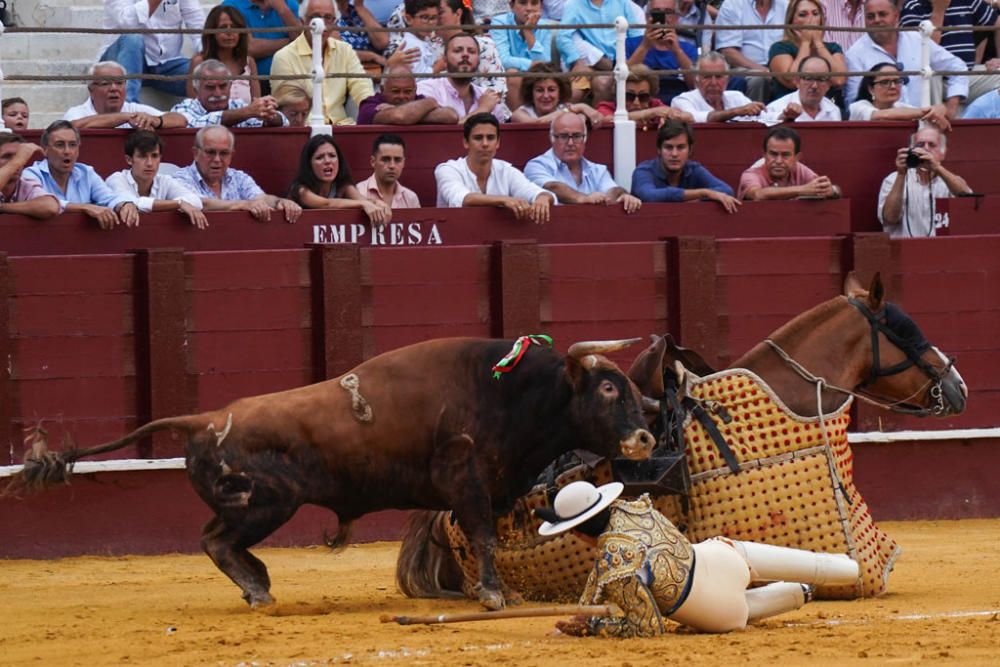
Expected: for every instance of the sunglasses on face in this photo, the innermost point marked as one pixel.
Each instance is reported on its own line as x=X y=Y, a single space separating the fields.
x=886 y=83
x=815 y=78
x=632 y=97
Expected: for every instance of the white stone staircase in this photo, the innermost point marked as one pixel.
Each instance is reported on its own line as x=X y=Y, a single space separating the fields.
x=57 y=54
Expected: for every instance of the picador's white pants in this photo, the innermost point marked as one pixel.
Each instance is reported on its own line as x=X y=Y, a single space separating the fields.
x=719 y=600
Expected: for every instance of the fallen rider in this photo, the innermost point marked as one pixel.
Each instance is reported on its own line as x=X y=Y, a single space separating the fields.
x=652 y=572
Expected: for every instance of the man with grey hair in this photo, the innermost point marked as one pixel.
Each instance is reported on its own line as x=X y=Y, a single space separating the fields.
x=906 y=200
x=107 y=107
x=710 y=102
x=213 y=106
x=222 y=188
x=573 y=178
x=77 y=186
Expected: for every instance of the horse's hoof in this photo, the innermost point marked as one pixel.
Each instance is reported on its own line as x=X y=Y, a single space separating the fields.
x=513 y=598
x=260 y=601
x=492 y=600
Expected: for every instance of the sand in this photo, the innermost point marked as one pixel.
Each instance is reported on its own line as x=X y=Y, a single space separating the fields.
x=943 y=607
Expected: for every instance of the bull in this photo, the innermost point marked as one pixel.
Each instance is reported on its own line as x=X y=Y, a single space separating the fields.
x=420 y=427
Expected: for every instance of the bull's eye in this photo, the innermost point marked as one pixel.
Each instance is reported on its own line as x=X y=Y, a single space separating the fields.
x=609 y=390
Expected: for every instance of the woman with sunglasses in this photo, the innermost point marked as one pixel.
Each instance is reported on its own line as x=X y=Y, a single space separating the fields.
x=798 y=44
x=880 y=99
x=642 y=103
x=231 y=48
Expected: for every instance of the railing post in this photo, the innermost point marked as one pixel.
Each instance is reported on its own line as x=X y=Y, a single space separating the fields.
x=3 y=126
x=317 y=119
x=624 y=138
x=926 y=30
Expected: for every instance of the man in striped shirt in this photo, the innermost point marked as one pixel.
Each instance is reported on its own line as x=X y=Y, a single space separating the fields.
x=962 y=43
x=844 y=14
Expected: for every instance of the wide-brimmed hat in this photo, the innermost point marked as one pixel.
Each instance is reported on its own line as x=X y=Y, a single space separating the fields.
x=575 y=503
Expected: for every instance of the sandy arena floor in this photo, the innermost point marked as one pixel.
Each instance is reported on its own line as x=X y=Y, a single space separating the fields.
x=943 y=608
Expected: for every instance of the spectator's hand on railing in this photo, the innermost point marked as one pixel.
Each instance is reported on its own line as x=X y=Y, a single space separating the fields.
x=937 y=116
x=144 y=121
x=752 y=109
x=259 y=209
x=791 y=112
x=378 y=212
x=291 y=210
x=821 y=186
x=265 y=108
x=519 y=207
x=593 y=115
x=731 y=204
x=993 y=64
x=540 y=211
x=128 y=214
x=105 y=217
x=630 y=203
x=596 y=198
x=195 y=215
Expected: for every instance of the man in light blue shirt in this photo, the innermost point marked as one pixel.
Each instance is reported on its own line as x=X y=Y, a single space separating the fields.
x=747 y=49
x=597 y=45
x=903 y=48
x=515 y=51
x=987 y=106
x=573 y=178
x=77 y=186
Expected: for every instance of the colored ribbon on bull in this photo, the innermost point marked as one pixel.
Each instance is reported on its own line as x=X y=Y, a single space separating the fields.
x=507 y=364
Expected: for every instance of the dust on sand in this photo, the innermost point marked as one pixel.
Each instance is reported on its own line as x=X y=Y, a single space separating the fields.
x=179 y=610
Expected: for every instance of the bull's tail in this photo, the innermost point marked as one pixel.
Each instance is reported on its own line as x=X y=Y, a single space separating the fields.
x=426 y=567
x=43 y=468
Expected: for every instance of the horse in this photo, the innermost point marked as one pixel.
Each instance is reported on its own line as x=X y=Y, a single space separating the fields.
x=856 y=345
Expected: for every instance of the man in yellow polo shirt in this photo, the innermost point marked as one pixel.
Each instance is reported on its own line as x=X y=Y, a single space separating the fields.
x=339 y=57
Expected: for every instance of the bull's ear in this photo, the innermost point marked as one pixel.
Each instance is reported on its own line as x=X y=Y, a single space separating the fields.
x=577 y=369
x=647 y=369
x=876 y=293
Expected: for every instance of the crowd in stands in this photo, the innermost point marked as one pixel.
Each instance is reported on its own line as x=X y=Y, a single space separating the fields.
x=560 y=78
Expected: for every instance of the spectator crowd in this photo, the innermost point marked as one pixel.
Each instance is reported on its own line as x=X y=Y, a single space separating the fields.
x=513 y=66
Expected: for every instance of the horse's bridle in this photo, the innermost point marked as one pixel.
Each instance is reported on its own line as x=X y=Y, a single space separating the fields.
x=913 y=350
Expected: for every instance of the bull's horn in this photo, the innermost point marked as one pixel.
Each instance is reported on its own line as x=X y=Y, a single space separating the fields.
x=583 y=348
x=650 y=405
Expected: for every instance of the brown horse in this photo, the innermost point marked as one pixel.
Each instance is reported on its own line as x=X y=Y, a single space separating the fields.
x=855 y=344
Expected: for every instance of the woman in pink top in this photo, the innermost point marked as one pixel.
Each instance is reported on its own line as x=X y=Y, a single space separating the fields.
x=232 y=49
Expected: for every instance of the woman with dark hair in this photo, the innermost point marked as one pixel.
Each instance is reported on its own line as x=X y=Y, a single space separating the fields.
x=324 y=181
x=231 y=48
x=879 y=98
x=544 y=99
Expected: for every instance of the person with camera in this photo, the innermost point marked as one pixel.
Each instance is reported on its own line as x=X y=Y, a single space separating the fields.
x=659 y=47
x=906 y=199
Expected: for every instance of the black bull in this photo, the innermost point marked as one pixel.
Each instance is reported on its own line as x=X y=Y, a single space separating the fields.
x=421 y=427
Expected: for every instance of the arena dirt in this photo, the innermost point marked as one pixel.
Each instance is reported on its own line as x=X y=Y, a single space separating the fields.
x=179 y=610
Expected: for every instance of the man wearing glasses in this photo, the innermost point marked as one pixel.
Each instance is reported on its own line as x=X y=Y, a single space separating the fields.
x=809 y=102
x=222 y=188
x=338 y=58
x=660 y=48
x=710 y=102
x=573 y=178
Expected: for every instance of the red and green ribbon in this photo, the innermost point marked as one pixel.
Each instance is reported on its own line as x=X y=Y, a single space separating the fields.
x=521 y=345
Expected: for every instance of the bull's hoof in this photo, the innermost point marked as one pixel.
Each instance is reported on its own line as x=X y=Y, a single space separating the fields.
x=491 y=599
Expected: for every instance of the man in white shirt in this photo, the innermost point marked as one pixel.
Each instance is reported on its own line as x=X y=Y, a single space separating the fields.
x=106 y=106
x=461 y=54
x=154 y=53
x=154 y=191
x=710 y=102
x=904 y=48
x=478 y=179
x=906 y=201
x=809 y=102
x=748 y=49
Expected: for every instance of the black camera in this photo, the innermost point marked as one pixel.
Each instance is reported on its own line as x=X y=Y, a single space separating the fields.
x=656 y=16
x=912 y=159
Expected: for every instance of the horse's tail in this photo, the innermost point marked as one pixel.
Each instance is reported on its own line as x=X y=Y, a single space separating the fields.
x=43 y=468
x=425 y=567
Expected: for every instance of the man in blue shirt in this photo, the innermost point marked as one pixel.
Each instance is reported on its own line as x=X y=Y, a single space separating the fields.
x=77 y=186
x=597 y=45
x=672 y=177
x=661 y=48
x=268 y=14
x=573 y=178
x=987 y=106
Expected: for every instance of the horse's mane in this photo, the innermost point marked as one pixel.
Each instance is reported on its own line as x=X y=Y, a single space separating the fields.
x=802 y=322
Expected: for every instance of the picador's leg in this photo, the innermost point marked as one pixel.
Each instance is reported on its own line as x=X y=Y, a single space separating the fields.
x=456 y=479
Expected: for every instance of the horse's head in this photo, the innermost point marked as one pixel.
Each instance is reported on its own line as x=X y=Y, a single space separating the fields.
x=906 y=371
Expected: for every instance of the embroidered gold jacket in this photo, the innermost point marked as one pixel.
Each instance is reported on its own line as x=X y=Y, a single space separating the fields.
x=644 y=566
